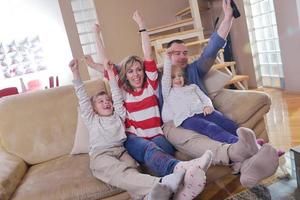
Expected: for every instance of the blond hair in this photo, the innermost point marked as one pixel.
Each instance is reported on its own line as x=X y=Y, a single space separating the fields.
x=179 y=69
x=94 y=97
x=125 y=65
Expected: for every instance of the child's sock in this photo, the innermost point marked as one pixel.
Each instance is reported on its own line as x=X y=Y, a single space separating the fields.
x=173 y=181
x=245 y=147
x=159 y=192
x=203 y=162
x=194 y=183
x=260 y=166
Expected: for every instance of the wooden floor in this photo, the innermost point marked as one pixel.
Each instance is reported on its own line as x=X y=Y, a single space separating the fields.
x=283 y=124
x=283 y=120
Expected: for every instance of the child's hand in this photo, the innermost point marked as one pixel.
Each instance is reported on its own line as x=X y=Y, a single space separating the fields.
x=74 y=65
x=169 y=53
x=96 y=28
x=137 y=17
x=207 y=110
x=74 y=68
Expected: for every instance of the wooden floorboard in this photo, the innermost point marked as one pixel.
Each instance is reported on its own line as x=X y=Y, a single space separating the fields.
x=283 y=124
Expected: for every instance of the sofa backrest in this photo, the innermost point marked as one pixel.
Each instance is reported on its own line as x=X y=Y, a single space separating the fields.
x=39 y=126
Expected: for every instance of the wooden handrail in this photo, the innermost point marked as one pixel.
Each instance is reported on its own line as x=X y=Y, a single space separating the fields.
x=174 y=25
x=172 y=35
x=183 y=12
x=188 y=9
x=238 y=78
x=223 y=65
x=200 y=42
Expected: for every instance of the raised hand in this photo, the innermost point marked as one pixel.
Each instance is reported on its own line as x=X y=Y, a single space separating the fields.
x=227 y=9
x=138 y=18
x=74 y=65
x=89 y=60
x=74 y=68
x=96 y=28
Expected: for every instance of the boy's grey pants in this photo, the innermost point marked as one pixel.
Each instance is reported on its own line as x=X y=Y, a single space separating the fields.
x=117 y=168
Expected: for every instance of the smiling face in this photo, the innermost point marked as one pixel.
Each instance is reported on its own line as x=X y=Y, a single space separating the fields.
x=135 y=75
x=102 y=104
x=177 y=77
x=179 y=56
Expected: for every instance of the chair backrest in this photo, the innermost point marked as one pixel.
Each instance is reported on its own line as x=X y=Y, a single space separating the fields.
x=8 y=91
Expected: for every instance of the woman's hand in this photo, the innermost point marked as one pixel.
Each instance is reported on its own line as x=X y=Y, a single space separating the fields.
x=96 y=28
x=138 y=18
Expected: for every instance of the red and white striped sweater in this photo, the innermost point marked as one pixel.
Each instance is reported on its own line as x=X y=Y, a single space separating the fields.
x=143 y=116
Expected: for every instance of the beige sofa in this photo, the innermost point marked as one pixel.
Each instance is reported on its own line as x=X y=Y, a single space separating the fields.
x=37 y=133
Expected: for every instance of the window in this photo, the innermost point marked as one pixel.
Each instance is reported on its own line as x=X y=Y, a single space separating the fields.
x=264 y=41
x=85 y=17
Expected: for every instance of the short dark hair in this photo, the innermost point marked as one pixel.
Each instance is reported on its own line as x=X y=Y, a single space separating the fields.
x=174 y=41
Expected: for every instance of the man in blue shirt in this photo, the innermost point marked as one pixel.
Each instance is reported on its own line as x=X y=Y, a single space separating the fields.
x=244 y=155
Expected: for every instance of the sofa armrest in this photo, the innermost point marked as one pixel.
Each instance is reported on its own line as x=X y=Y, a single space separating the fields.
x=12 y=169
x=241 y=105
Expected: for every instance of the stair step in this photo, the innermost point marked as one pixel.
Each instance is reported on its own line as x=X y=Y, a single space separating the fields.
x=178 y=35
x=238 y=78
x=183 y=12
x=171 y=26
x=198 y=42
x=188 y=10
x=223 y=65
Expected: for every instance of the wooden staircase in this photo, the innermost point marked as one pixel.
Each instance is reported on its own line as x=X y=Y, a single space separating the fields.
x=188 y=27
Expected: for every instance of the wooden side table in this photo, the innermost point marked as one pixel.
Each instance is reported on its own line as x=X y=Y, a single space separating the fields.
x=296 y=151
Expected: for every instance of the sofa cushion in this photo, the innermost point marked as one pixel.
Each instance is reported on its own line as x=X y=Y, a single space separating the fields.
x=40 y=126
x=67 y=177
x=214 y=81
x=81 y=141
x=12 y=170
x=241 y=105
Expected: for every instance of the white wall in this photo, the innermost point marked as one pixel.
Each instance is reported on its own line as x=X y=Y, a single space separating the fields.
x=298 y=10
x=19 y=19
x=288 y=23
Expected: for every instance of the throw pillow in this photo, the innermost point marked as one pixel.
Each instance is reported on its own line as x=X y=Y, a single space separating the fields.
x=214 y=81
x=81 y=141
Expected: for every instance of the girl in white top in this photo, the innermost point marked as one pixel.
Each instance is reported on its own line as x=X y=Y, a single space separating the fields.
x=187 y=106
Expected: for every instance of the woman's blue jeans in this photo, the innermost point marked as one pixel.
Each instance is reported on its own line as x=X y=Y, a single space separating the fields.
x=155 y=153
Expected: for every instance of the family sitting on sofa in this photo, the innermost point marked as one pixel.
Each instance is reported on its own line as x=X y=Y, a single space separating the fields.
x=127 y=127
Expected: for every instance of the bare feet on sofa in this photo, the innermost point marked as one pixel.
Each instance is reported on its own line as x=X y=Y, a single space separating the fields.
x=245 y=147
x=260 y=166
